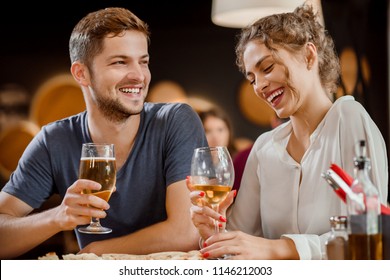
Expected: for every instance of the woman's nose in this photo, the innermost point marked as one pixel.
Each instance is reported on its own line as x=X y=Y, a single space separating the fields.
x=261 y=85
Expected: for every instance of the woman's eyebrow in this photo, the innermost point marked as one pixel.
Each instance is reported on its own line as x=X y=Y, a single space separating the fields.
x=258 y=63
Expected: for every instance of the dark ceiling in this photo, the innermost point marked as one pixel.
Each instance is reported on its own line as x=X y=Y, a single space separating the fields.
x=27 y=23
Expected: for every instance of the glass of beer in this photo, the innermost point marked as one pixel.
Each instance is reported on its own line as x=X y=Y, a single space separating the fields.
x=97 y=163
x=212 y=172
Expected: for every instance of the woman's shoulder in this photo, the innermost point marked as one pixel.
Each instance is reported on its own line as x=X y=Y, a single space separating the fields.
x=348 y=104
x=347 y=108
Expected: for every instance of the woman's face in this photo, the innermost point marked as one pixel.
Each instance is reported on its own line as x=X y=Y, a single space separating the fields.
x=269 y=78
x=217 y=132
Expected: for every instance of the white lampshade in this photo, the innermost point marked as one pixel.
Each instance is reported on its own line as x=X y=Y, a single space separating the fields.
x=240 y=13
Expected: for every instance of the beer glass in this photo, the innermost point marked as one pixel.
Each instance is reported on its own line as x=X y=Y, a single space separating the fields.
x=97 y=163
x=212 y=172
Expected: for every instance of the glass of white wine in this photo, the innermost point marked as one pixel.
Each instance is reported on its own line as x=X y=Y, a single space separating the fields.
x=97 y=163
x=212 y=172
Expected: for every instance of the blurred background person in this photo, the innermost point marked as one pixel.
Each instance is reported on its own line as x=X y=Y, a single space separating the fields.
x=219 y=132
x=218 y=129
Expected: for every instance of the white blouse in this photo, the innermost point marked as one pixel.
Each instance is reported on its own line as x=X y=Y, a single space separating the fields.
x=273 y=203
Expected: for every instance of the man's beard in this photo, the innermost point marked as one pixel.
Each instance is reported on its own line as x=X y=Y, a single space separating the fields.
x=115 y=111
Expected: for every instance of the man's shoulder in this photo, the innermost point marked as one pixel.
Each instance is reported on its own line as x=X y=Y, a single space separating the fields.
x=63 y=129
x=69 y=123
x=153 y=107
x=182 y=111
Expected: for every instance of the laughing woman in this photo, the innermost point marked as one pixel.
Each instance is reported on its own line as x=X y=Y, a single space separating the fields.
x=282 y=210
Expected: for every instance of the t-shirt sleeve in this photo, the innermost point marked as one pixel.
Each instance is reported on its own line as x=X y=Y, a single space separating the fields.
x=185 y=133
x=32 y=182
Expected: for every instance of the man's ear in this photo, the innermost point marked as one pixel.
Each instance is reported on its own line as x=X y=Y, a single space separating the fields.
x=80 y=73
x=310 y=55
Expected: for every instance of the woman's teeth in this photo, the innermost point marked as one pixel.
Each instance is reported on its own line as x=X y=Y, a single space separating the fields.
x=275 y=94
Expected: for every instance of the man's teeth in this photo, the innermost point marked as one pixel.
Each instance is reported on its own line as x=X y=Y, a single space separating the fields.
x=130 y=90
x=275 y=94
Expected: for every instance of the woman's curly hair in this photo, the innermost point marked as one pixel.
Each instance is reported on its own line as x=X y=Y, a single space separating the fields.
x=292 y=31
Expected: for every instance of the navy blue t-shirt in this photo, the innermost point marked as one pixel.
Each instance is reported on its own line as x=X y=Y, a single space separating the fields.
x=161 y=155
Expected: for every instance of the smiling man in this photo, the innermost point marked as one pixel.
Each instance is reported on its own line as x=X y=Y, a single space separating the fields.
x=153 y=145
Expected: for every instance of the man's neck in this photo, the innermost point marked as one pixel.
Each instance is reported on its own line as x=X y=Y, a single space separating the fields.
x=122 y=135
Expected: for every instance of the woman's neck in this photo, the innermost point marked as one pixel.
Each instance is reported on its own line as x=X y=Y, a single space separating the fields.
x=304 y=122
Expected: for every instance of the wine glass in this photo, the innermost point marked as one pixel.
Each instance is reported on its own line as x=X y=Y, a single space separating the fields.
x=97 y=163
x=212 y=172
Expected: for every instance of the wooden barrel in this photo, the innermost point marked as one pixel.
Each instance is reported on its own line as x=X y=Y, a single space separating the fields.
x=166 y=91
x=14 y=104
x=57 y=98
x=13 y=141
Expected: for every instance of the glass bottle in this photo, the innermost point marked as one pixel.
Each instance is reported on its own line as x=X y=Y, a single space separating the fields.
x=364 y=219
x=337 y=243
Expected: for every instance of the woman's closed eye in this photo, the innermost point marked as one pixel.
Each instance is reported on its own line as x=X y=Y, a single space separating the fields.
x=269 y=68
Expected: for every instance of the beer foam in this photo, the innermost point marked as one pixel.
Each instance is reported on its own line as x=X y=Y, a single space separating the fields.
x=98 y=158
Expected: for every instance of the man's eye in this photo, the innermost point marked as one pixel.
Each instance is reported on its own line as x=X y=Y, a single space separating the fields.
x=252 y=82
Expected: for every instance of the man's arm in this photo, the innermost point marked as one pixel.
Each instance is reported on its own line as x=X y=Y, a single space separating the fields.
x=177 y=233
x=20 y=232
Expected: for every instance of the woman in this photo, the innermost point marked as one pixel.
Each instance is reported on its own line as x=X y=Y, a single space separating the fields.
x=282 y=210
x=218 y=129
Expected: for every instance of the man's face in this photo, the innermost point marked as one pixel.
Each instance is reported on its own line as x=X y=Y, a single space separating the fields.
x=120 y=76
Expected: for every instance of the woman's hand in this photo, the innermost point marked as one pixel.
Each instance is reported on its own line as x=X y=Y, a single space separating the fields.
x=241 y=246
x=203 y=216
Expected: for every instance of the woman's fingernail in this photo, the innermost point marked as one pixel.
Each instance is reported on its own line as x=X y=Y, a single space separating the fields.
x=201 y=194
x=206 y=255
x=234 y=193
x=222 y=219
x=204 y=244
x=220 y=225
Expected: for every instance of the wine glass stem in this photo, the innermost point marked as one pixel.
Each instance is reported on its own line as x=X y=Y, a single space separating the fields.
x=95 y=222
x=216 y=222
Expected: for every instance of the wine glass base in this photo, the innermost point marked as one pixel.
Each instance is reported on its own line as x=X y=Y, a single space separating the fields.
x=94 y=230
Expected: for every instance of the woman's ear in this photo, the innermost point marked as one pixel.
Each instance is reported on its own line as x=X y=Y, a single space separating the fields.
x=80 y=73
x=310 y=55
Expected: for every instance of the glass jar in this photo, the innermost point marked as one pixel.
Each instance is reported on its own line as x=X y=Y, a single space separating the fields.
x=337 y=243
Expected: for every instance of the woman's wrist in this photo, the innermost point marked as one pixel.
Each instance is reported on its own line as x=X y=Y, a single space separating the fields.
x=286 y=249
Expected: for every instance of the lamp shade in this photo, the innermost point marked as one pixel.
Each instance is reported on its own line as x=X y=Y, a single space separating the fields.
x=240 y=13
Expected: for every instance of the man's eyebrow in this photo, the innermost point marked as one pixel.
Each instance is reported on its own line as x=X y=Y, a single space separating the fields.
x=125 y=56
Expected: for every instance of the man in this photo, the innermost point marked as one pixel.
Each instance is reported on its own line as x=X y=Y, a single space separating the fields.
x=148 y=212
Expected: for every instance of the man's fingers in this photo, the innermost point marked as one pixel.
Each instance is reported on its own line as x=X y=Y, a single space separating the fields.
x=84 y=184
